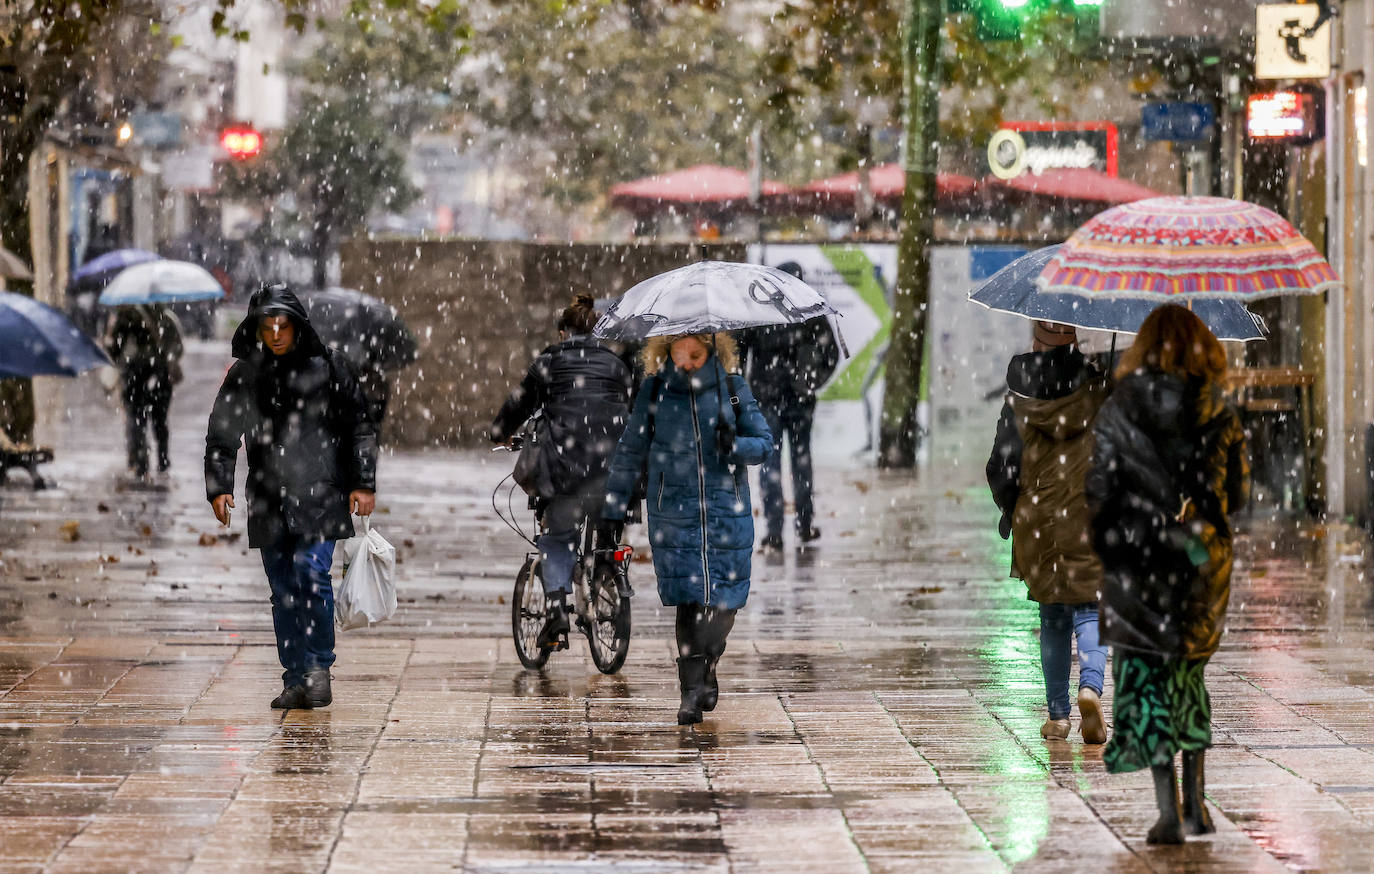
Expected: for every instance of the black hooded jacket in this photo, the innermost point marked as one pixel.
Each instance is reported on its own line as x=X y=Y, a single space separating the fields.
x=583 y=389
x=787 y=364
x=304 y=422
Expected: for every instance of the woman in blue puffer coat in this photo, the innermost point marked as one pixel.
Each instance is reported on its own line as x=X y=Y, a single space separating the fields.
x=696 y=428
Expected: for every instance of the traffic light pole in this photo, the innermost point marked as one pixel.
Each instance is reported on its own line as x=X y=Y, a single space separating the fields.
x=897 y=439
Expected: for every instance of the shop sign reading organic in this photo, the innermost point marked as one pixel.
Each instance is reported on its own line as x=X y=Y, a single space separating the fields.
x=1034 y=147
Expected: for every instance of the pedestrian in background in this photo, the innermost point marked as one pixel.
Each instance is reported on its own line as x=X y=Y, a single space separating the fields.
x=786 y=365
x=145 y=344
x=582 y=389
x=1168 y=467
x=296 y=407
x=1036 y=472
x=695 y=429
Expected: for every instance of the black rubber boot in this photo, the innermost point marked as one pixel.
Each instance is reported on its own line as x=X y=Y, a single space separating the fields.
x=1169 y=828
x=713 y=627
x=317 y=687
x=691 y=675
x=1196 y=819
x=292 y=698
x=554 y=634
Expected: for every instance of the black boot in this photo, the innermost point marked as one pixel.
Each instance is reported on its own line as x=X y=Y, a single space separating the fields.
x=317 y=687
x=1169 y=828
x=691 y=677
x=1196 y=819
x=713 y=627
x=554 y=634
x=292 y=698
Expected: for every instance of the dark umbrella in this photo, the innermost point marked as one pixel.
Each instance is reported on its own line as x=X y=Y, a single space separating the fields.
x=362 y=327
x=37 y=340
x=98 y=271
x=1013 y=290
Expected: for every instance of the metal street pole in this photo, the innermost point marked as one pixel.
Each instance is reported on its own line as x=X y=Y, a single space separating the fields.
x=897 y=436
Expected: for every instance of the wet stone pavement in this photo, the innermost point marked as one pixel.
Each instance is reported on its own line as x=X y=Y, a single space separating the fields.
x=880 y=704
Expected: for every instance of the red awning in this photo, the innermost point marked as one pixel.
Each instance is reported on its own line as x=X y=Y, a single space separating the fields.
x=705 y=186
x=1081 y=184
x=836 y=194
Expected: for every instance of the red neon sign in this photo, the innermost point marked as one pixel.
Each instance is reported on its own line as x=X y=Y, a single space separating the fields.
x=1281 y=115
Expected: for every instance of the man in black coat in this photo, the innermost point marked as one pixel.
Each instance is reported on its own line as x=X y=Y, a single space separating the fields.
x=786 y=365
x=296 y=406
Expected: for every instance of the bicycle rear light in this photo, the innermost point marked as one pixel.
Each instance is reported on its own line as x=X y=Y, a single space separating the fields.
x=623 y=553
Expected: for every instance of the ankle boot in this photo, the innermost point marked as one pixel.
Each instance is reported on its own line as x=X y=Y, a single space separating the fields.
x=691 y=676
x=317 y=687
x=1169 y=828
x=1196 y=819
x=292 y=698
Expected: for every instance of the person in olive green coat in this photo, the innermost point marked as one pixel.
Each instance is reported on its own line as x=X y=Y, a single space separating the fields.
x=1037 y=470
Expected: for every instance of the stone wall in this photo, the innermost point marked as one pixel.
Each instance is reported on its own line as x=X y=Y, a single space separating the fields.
x=482 y=311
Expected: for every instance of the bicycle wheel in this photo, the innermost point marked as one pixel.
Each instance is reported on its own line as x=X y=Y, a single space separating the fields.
x=608 y=632
x=528 y=610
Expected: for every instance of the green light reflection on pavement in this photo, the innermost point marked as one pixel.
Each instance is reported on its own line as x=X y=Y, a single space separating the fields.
x=1011 y=658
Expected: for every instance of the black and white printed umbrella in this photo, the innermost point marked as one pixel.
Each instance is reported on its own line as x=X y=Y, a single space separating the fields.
x=708 y=297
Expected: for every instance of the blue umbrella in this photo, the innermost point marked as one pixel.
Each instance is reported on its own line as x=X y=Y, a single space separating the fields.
x=1012 y=290
x=37 y=340
x=103 y=268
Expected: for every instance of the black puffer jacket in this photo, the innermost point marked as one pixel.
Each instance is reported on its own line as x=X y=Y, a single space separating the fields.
x=304 y=422
x=583 y=389
x=1169 y=464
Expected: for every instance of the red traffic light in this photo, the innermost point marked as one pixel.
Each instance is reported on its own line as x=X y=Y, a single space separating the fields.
x=241 y=142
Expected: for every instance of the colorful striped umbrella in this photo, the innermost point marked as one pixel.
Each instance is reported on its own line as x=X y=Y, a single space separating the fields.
x=1174 y=248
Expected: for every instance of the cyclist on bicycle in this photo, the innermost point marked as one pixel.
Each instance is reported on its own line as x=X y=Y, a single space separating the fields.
x=583 y=390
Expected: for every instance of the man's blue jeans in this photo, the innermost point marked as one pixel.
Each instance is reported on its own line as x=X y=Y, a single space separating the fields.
x=1059 y=625
x=302 y=605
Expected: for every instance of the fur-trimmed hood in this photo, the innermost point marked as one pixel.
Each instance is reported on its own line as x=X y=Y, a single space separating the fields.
x=656 y=351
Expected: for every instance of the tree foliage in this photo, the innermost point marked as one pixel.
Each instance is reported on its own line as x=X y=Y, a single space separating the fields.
x=601 y=92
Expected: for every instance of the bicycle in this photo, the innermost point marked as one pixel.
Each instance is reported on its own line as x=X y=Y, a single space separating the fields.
x=601 y=591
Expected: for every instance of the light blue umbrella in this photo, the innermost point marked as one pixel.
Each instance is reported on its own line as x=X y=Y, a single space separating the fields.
x=1013 y=290
x=37 y=340
x=161 y=282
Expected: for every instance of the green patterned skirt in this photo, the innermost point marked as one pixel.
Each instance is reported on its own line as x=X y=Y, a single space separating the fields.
x=1159 y=708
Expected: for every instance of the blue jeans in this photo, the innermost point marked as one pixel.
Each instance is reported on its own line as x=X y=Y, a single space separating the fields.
x=1059 y=624
x=794 y=424
x=558 y=543
x=302 y=605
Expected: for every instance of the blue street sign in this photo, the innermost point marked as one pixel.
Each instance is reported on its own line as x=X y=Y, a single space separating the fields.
x=1176 y=121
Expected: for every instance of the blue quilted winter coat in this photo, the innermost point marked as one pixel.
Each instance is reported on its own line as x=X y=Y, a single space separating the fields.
x=700 y=517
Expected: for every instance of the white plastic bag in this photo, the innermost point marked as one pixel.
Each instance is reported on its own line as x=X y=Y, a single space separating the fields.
x=367 y=593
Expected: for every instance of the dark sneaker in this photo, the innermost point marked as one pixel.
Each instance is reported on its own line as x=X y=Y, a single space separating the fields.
x=770 y=544
x=317 y=687
x=292 y=698
x=808 y=534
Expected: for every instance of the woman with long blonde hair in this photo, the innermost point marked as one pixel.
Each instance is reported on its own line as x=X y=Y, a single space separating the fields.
x=694 y=431
x=1168 y=468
